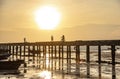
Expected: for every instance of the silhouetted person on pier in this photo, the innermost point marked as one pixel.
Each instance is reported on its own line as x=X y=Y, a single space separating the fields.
x=25 y=40
x=52 y=38
x=63 y=38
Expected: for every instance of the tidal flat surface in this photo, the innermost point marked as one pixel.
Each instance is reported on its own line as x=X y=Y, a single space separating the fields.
x=62 y=69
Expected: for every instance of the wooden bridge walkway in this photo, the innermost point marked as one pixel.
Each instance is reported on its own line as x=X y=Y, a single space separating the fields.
x=57 y=49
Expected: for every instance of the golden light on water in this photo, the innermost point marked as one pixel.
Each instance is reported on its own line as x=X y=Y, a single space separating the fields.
x=47 y=62
x=47 y=55
x=47 y=17
x=45 y=75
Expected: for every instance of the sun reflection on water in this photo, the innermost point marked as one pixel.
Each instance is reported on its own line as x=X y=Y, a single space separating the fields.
x=47 y=62
x=45 y=75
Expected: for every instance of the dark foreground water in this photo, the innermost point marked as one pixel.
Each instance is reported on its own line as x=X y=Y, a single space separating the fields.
x=55 y=69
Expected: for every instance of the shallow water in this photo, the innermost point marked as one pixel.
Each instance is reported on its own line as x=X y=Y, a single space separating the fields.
x=55 y=69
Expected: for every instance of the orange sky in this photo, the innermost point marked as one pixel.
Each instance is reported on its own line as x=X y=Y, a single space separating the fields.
x=81 y=20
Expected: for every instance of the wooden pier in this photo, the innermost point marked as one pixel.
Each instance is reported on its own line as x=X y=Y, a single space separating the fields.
x=62 y=50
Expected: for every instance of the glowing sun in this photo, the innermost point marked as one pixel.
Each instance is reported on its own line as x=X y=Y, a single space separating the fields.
x=47 y=17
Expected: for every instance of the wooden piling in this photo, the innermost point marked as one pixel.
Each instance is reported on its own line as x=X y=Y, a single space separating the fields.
x=59 y=56
x=39 y=56
x=55 y=57
x=88 y=60
x=52 y=57
x=24 y=51
x=113 y=61
x=10 y=51
x=62 y=48
x=77 y=54
x=99 y=60
x=55 y=51
x=99 y=54
x=20 y=51
x=28 y=54
x=77 y=60
x=13 y=53
x=16 y=52
x=69 y=59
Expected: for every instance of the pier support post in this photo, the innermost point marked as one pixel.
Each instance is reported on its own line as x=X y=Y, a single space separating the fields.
x=62 y=55
x=77 y=59
x=55 y=56
x=52 y=57
x=55 y=52
x=59 y=57
x=49 y=52
x=24 y=51
x=113 y=61
x=69 y=56
x=88 y=61
x=77 y=54
x=29 y=54
x=99 y=60
x=13 y=53
x=49 y=57
x=33 y=54
x=9 y=51
x=68 y=59
x=20 y=51
x=44 y=55
x=99 y=54
x=37 y=54
x=9 y=48
x=16 y=52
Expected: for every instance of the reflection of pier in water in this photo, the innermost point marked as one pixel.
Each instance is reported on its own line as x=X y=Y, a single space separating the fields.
x=58 y=55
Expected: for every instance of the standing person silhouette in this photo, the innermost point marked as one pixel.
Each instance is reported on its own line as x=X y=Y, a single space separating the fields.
x=52 y=38
x=25 y=40
x=63 y=38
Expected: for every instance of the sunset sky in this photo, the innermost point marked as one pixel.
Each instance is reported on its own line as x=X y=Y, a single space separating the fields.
x=80 y=20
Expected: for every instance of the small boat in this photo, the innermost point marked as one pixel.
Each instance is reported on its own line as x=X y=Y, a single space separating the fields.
x=7 y=64
x=4 y=54
x=11 y=65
